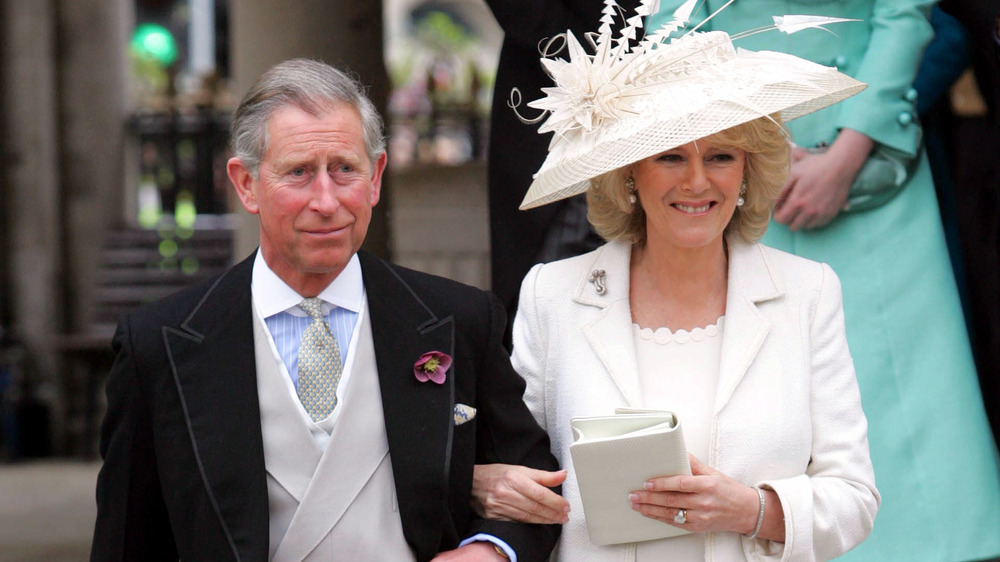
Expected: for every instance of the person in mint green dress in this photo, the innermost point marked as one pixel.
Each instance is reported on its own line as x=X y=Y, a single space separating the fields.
x=935 y=460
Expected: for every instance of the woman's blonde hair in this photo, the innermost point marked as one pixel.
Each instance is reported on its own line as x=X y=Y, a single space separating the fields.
x=765 y=143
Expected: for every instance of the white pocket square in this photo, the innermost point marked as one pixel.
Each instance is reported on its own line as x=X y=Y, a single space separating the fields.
x=464 y=413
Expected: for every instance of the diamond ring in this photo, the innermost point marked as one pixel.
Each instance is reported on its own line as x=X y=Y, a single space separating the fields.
x=681 y=517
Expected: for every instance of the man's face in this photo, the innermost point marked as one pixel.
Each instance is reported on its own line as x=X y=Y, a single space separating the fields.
x=314 y=194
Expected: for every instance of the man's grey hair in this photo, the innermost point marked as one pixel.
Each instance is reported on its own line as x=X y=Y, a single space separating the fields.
x=310 y=85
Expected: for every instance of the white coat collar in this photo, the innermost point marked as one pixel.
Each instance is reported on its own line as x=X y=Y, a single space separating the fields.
x=751 y=280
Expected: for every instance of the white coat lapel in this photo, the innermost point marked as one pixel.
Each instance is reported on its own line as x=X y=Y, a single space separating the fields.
x=356 y=448
x=610 y=334
x=751 y=281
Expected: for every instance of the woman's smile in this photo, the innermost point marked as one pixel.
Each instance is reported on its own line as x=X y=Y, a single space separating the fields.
x=694 y=208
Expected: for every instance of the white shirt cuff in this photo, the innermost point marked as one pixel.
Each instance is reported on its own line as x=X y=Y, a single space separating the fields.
x=490 y=538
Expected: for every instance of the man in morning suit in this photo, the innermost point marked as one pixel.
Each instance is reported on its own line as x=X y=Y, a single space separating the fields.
x=314 y=402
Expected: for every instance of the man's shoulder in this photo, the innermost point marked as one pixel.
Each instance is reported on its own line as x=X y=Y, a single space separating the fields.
x=433 y=290
x=176 y=307
x=403 y=292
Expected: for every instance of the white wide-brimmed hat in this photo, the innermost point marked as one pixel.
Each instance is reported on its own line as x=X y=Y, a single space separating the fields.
x=627 y=102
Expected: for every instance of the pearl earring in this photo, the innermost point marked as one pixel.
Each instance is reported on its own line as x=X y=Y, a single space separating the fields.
x=630 y=186
x=743 y=189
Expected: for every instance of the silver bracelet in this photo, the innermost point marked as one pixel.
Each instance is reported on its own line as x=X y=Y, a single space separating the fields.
x=760 y=516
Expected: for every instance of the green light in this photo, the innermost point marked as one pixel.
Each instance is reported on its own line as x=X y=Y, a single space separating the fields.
x=168 y=248
x=189 y=265
x=156 y=42
x=149 y=215
x=184 y=210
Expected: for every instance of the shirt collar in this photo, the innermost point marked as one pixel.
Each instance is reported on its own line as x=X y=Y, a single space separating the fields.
x=271 y=295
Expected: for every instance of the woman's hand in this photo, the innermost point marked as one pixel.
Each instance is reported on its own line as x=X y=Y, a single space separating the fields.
x=819 y=183
x=712 y=501
x=517 y=493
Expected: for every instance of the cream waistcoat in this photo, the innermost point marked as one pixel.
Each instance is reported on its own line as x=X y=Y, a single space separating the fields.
x=337 y=504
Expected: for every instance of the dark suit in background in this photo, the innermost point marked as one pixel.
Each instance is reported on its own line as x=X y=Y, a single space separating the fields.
x=973 y=143
x=520 y=239
x=979 y=17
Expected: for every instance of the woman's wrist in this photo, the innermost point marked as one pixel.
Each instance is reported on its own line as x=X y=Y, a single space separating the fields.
x=852 y=149
x=760 y=512
x=749 y=521
x=769 y=519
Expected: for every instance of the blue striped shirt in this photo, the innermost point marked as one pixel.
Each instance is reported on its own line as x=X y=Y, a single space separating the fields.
x=286 y=328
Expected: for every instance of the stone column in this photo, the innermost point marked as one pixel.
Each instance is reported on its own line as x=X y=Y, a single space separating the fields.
x=30 y=180
x=93 y=101
x=344 y=33
x=5 y=315
x=63 y=95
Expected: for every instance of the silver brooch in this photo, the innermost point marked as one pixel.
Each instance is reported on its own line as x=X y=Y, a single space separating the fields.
x=599 y=278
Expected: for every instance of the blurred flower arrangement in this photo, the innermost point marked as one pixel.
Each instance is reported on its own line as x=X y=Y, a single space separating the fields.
x=441 y=95
x=179 y=125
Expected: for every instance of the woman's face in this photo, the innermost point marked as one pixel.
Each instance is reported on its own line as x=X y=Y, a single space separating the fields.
x=689 y=193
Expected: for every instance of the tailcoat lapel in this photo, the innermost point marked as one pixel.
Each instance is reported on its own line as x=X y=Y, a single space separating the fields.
x=211 y=358
x=751 y=281
x=610 y=334
x=418 y=416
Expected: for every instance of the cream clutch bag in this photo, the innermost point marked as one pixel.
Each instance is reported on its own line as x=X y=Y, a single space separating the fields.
x=615 y=455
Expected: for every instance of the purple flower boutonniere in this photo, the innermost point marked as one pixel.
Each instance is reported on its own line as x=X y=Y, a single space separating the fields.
x=432 y=366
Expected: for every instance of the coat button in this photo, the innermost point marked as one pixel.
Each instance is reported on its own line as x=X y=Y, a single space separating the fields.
x=904 y=118
x=910 y=95
x=841 y=60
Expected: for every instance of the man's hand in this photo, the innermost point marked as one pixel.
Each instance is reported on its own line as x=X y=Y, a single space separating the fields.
x=516 y=493
x=472 y=552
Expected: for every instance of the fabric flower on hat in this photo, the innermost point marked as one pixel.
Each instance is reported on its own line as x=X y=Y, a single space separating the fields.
x=591 y=90
x=432 y=366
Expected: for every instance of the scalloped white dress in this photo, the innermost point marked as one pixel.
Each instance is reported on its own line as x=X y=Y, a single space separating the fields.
x=679 y=372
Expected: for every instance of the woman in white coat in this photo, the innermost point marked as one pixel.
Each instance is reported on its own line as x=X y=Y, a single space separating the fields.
x=684 y=311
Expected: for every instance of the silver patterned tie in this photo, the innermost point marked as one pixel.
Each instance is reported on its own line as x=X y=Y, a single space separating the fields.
x=320 y=366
